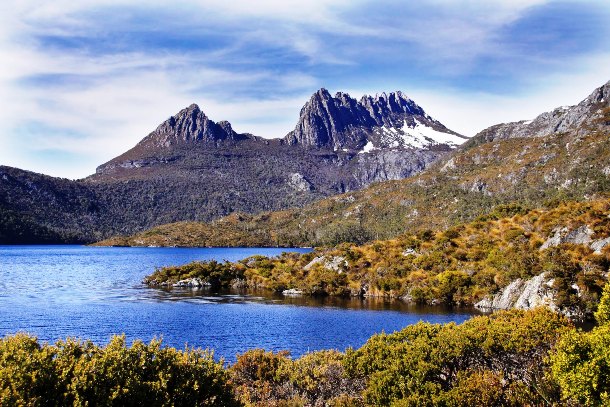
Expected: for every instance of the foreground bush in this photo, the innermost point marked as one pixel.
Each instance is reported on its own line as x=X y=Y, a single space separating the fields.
x=510 y=358
x=315 y=379
x=581 y=360
x=498 y=358
x=81 y=373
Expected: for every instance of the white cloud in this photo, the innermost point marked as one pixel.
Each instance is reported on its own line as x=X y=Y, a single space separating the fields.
x=115 y=99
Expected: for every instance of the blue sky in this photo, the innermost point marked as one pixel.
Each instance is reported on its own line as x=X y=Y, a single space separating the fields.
x=81 y=82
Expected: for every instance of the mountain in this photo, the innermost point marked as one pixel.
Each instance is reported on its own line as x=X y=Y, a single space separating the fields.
x=191 y=168
x=379 y=122
x=593 y=113
x=391 y=134
x=564 y=157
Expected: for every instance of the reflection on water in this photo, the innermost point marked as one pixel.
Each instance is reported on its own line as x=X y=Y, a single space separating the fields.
x=206 y=294
x=92 y=293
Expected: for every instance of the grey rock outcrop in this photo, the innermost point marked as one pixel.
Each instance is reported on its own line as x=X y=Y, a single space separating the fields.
x=520 y=294
x=298 y=182
x=334 y=263
x=585 y=116
x=599 y=245
x=581 y=235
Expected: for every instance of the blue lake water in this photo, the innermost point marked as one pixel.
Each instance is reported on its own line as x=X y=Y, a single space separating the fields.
x=92 y=293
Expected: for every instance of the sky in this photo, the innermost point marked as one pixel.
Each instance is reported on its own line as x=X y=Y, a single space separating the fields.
x=83 y=81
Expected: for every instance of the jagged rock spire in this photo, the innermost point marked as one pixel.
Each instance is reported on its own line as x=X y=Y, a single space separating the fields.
x=342 y=122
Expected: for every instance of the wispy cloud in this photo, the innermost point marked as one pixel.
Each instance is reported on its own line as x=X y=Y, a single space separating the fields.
x=81 y=82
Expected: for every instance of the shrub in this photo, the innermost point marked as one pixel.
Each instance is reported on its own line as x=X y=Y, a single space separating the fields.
x=581 y=366
x=81 y=373
x=602 y=315
x=424 y=362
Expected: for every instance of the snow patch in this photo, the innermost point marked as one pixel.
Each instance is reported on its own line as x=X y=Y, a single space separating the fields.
x=417 y=135
x=367 y=148
x=430 y=136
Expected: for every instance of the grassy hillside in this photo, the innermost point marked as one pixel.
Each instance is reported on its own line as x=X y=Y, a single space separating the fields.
x=458 y=265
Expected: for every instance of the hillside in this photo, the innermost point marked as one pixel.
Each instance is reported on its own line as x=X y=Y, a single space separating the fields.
x=565 y=158
x=193 y=169
x=460 y=265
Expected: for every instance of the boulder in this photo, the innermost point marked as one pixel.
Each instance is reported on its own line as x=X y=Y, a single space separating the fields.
x=334 y=263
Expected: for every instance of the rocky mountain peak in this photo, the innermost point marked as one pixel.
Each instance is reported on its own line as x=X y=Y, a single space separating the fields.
x=342 y=122
x=189 y=125
x=600 y=95
x=323 y=94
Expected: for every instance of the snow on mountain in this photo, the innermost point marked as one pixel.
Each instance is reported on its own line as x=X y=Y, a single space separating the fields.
x=416 y=135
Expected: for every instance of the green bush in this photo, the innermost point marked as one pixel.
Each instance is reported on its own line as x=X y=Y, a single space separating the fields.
x=602 y=315
x=581 y=366
x=425 y=364
x=81 y=373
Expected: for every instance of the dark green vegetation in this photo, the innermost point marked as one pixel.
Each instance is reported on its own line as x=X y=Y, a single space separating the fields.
x=199 y=183
x=510 y=358
x=459 y=265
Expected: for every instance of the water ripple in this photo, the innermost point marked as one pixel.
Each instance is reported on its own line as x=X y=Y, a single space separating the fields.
x=94 y=293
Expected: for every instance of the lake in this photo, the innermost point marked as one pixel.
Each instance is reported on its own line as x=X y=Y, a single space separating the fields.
x=94 y=292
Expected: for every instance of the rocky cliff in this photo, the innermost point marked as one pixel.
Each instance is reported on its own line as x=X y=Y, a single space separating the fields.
x=382 y=121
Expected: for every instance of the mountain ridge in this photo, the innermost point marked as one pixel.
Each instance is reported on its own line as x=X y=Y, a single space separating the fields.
x=582 y=116
x=195 y=169
x=478 y=176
